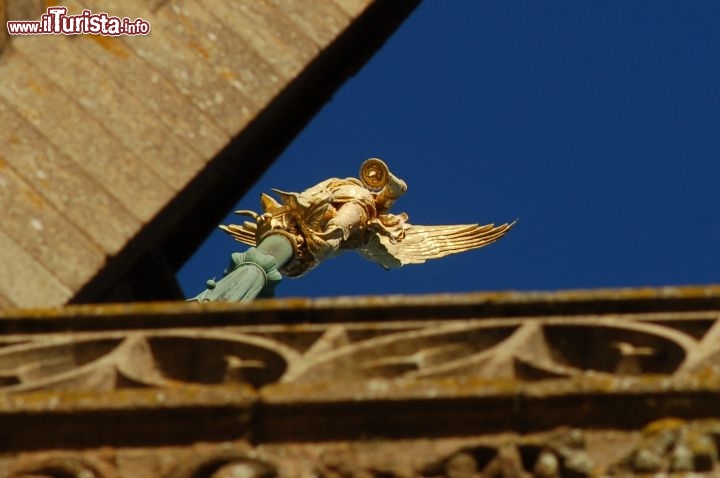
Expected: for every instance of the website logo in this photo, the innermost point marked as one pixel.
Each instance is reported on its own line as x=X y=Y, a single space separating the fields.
x=57 y=22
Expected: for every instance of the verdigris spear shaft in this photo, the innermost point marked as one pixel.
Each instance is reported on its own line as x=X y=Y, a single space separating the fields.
x=253 y=273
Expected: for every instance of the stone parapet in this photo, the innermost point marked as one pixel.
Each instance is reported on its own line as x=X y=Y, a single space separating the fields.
x=579 y=383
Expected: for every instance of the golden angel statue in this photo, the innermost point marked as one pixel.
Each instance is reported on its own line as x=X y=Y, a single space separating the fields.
x=337 y=215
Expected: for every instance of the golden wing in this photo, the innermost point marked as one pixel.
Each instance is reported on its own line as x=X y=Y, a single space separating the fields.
x=244 y=232
x=422 y=243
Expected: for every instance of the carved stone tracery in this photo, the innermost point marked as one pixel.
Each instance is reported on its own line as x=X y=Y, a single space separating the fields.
x=525 y=350
x=459 y=396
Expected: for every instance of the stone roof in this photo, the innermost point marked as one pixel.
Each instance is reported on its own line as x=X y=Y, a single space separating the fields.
x=119 y=154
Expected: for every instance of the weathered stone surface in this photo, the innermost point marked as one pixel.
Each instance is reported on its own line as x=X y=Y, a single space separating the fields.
x=169 y=107
x=19 y=269
x=352 y=7
x=35 y=225
x=272 y=35
x=226 y=53
x=50 y=110
x=24 y=9
x=513 y=384
x=3 y=31
x=124 y=116
x=187 y=68
x=321 y=20
x=64 y=184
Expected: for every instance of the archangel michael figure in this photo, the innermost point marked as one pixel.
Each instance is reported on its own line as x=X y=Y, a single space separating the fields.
x=338 y=215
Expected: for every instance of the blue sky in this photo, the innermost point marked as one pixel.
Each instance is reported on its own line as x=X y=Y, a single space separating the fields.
x=597 y=124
